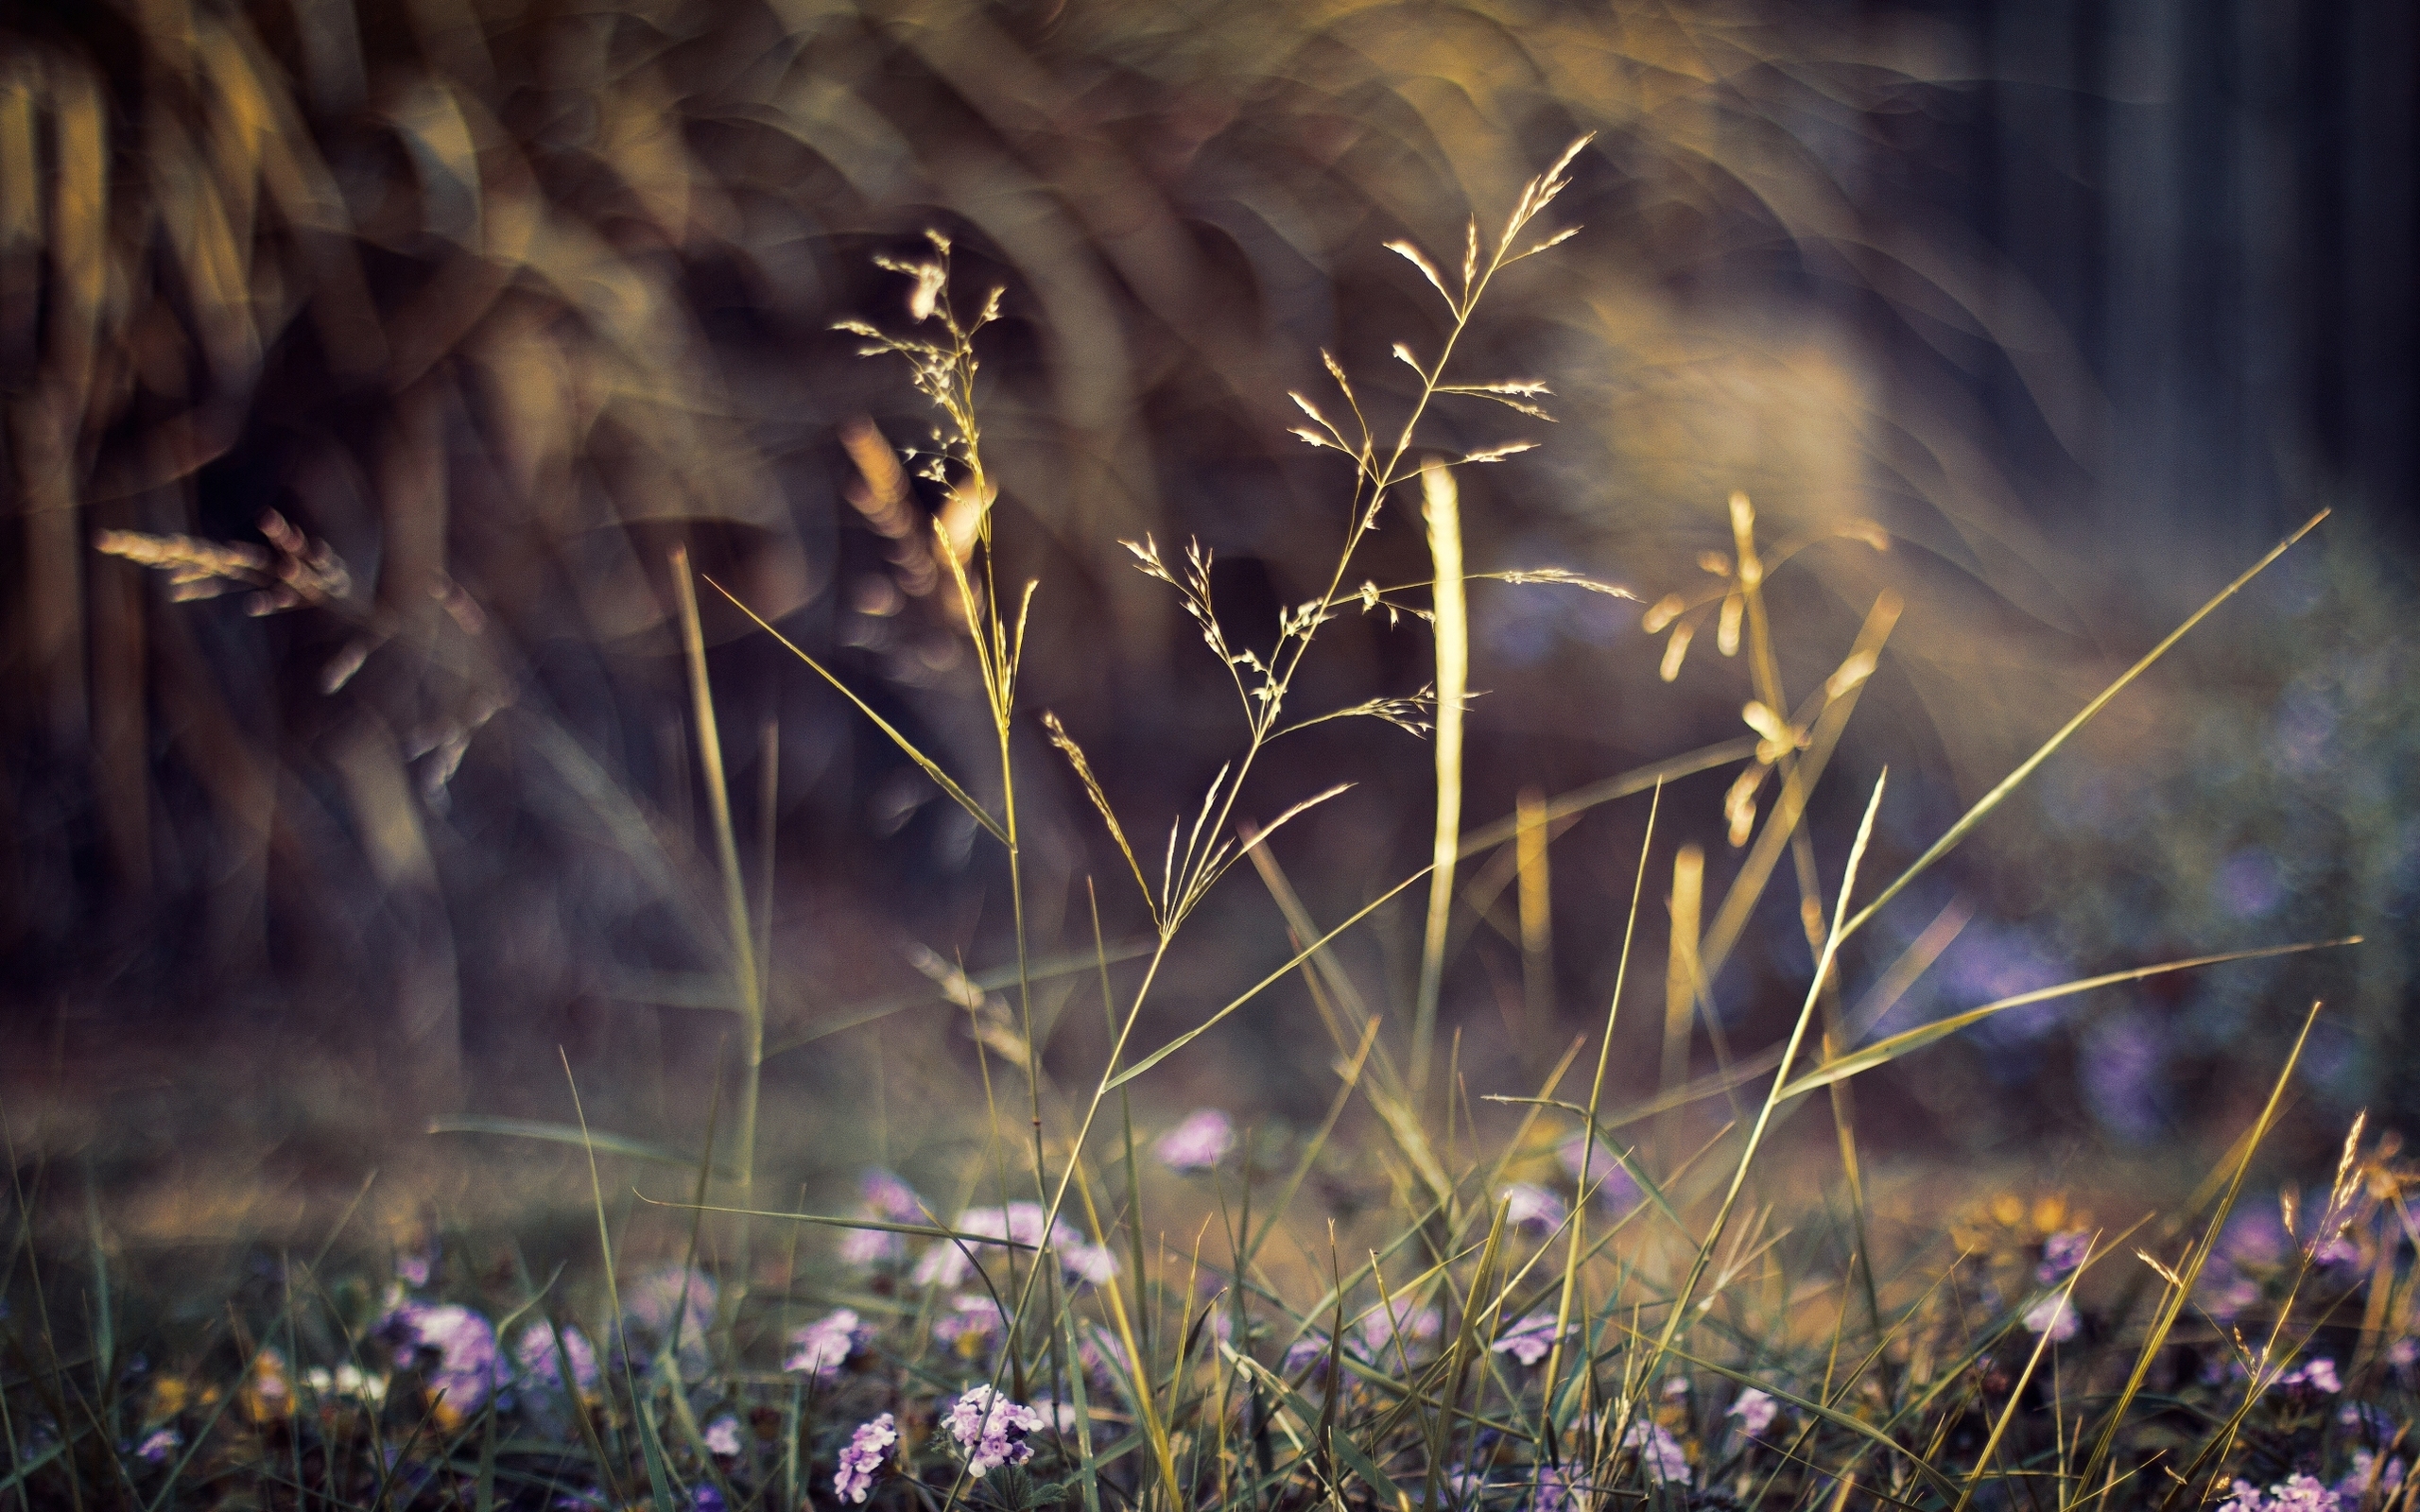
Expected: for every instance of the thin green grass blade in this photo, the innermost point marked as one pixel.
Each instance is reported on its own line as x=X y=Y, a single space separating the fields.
x=1883 y=1052
x=530 y=1129
x=1957 y=833
x=2172 y=1304
x=1339 y=1441
x=1258 y=988
x=932 y=768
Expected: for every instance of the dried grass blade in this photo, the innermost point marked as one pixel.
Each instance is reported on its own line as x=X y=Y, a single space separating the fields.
x=1441 y=508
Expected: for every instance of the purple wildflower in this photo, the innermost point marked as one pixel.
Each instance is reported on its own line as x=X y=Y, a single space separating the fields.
x=2318 y=1374
x=675 y=1293
x=1310 y=1349
x=2403 y=1353
x=2254 y=1237
x=2054 y=1314
x=822 y=1348
x=1659 y=1453
x=1610 y=1180
x=2337 y=1249
x=542 y=1361
x=1528 y=1341
x=707 y=1498
x=863 y=1459
x=991 y=1429
x=1091 y=1263
x=1559 y=1490
x=2061 y=1253
x=1397 y=1321
x=1204 y=1138
x=970 y=1325
x=888 y=1198
x=1529 y=1206
x=675 y=1303
x=2246 y=1498
x=2365 y=1466
x=1101 y=1354
x=722 y=1436
x=414 y=1268
x=1755 y=1409
x=453 y=1346
x=161 y=1442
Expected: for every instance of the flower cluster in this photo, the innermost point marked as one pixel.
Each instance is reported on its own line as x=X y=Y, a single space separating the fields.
x=947 y=1262
x=2296 y=1493
x=453 y=1346
x=863 y=1457
x=989 y=1430
x=1397 y=1324
x=2367 y=1471
x=2061 y=1253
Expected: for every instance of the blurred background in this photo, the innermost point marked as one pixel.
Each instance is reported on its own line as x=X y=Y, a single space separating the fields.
x=441 y=322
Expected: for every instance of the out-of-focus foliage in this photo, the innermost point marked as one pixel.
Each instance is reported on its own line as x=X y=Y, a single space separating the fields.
x=493 y=303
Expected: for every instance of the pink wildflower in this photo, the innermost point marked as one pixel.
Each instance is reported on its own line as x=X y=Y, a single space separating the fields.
x=2318 y=1374
x=886 y=1198
x=541 y=1360
x=1529 y=1340
x=1529 y=1206
x=2061 y=1253
x=1204 y=1138
x=822 y=1348
x=970 y=1325
x=1396 y=1320
x=1659 y=1453
x=2055 y=1315
x=2365 y=1466
x=1755 y=1409
x=947 y=1262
